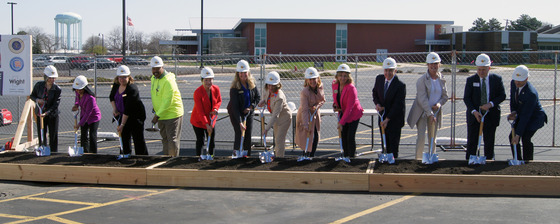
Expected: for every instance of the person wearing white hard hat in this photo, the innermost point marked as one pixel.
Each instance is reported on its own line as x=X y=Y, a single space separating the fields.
x=207 y=102
x=167 y=107
x=243 y=99
x=526 y=111
x=47 y=94
x=129 y=111
x=281 y=115
x=90 y=115
x=431 y=94
x=347 y=104
x=389 y=99
x=312 y=97
x=484 y=91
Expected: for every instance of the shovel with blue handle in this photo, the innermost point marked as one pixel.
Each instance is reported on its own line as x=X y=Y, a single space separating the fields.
x=268 y=155
x=75 y=151
x=43 y=149
x=384 y=156
x=305 y=154
x=241 y=153
x=431 y=157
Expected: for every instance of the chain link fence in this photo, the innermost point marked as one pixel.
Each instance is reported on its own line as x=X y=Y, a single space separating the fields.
x=456 y=67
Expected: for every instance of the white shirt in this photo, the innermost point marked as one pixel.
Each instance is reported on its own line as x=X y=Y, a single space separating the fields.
x=435 y=92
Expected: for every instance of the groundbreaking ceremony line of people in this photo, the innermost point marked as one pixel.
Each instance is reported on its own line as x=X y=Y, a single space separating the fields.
x=484 y=92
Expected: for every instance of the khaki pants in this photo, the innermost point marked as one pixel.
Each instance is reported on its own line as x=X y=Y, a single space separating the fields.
x=170 y=131
x=281 y=127
x=422 y=123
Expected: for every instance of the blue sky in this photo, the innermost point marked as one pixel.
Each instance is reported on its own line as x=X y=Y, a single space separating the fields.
x=102 y=16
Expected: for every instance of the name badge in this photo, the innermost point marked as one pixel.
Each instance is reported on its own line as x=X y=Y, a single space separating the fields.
x=476 y=84
x=240 y=92
x=123 y=95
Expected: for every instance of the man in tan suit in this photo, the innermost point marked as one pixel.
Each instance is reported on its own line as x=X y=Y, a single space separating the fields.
x=431 y=94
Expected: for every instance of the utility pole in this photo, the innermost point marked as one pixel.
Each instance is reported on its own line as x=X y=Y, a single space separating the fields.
x=201 y=33
x=12 y=5
x=124 y=28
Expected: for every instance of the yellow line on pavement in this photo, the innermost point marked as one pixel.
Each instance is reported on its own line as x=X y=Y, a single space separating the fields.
x=374 y=209
x=90 y=207
x=33 y=195
x=62 y=201
x=122 y=189
x=62 y=220
x=15 y=216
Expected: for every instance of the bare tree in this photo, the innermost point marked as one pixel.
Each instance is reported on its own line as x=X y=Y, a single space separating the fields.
x=154 y=47
x=114 y=43
x=39 y=37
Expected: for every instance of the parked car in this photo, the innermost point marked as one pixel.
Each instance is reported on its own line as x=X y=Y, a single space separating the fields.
x=135 y=61
x=101 y=63
x=116 y=58
x=43 y=61
x=76 y=62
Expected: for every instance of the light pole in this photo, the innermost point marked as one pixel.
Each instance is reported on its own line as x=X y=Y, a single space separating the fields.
x=12 y=4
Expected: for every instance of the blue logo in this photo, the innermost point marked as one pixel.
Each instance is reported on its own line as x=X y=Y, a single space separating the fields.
x=16 y=64
x=16 y=45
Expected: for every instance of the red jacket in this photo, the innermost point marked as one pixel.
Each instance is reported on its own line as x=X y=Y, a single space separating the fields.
x=201 y=111
x=350 y=104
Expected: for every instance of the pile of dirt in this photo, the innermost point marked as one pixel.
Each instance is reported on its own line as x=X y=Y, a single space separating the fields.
x=279 y=164
x=84 y=160
x=462 y=167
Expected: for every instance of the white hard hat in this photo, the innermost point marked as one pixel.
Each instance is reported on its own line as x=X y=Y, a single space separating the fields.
x=483 y=60
x=80 y=82
x=273 y=78
x=156 y=62
x=520 y=73
x=123 y=70
x=243 y=66
x=389 y=63
x=343 y=68
x=51 y=72
x=207 y=73
x=311 y=73
x=433 y=57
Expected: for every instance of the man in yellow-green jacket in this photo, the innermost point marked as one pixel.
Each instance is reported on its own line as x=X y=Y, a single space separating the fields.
x=168 y=107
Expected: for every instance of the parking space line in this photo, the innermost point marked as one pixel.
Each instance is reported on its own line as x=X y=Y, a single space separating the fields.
x=63 y=220
x=33 y=195
x=15 y=216
x=374 y=209
x=54 y=215
x=62 y=201
x=123 y=189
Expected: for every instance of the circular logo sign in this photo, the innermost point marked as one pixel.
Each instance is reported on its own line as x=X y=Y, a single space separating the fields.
x=16 y=45
x=16 y=64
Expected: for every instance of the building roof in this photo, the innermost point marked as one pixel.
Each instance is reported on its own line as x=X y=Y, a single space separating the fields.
x=243 y=22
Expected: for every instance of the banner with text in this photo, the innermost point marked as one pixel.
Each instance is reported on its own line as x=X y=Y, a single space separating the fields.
x=15 y=65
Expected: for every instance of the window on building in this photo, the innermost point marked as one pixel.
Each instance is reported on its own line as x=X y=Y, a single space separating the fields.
x=341 y=41
x=260 y=38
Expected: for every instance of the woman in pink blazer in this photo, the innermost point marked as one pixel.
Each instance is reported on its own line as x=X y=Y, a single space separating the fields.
x=346 y=102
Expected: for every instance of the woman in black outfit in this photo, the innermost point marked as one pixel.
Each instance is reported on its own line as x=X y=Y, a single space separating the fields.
x=126 y=103
x=244 y=97
x=47 y=95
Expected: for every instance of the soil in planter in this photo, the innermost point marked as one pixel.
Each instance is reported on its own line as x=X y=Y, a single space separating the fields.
x=84 y=160
x=279 y=164
x=461 y=167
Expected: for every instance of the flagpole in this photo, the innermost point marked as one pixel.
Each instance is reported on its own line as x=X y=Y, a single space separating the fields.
x=124 y=27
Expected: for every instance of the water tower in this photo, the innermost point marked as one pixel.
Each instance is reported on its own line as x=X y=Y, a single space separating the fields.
x=68 y=37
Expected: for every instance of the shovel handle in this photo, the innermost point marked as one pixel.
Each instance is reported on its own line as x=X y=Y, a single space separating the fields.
x=42 y=125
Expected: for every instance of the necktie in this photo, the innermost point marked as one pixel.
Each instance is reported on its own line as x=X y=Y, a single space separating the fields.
x=517 y=95
x=483 y=94
x=385 y=89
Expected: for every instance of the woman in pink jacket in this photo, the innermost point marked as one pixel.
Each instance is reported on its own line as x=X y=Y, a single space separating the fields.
x=90 y=115
x=346 y=102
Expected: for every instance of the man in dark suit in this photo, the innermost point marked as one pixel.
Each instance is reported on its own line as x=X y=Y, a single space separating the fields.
x=388 y=96
x=483 y=92
x=526 y=110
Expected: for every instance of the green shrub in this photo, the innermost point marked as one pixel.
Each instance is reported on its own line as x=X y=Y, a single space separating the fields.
x=446 y=70
x=142 y=78
x=399 y=71
x=326 y=74
x=290 y=75
x=464 y=70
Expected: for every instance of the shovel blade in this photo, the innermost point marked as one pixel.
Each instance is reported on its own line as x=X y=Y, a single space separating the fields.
x=435 y=158
x=302 y=158
x=426 y=158
x=390 y=158
x=515 y=162
x=206 y=157
x=338 y=158
x=123 y=156
x=266 y=157
x=382 y=157
x=477 y=160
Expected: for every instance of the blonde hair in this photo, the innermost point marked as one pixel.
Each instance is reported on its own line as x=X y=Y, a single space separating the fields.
x=237 y=84
x=350 y=80
x=319 y=83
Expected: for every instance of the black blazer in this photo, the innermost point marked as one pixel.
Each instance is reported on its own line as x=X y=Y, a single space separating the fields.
x=237 y=100
x=51 y=107
x=471 y=98
x=133 y=106
x=394 y=100
x=530 y=114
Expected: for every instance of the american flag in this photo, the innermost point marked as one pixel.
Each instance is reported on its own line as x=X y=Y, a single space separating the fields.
x=129 y=21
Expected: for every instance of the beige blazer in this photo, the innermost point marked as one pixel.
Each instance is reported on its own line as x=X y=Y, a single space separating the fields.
x=308 y=99
x=279 y=105
x=421 y=108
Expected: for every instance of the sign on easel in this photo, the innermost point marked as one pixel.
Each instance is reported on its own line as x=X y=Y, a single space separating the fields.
x=15 y=65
